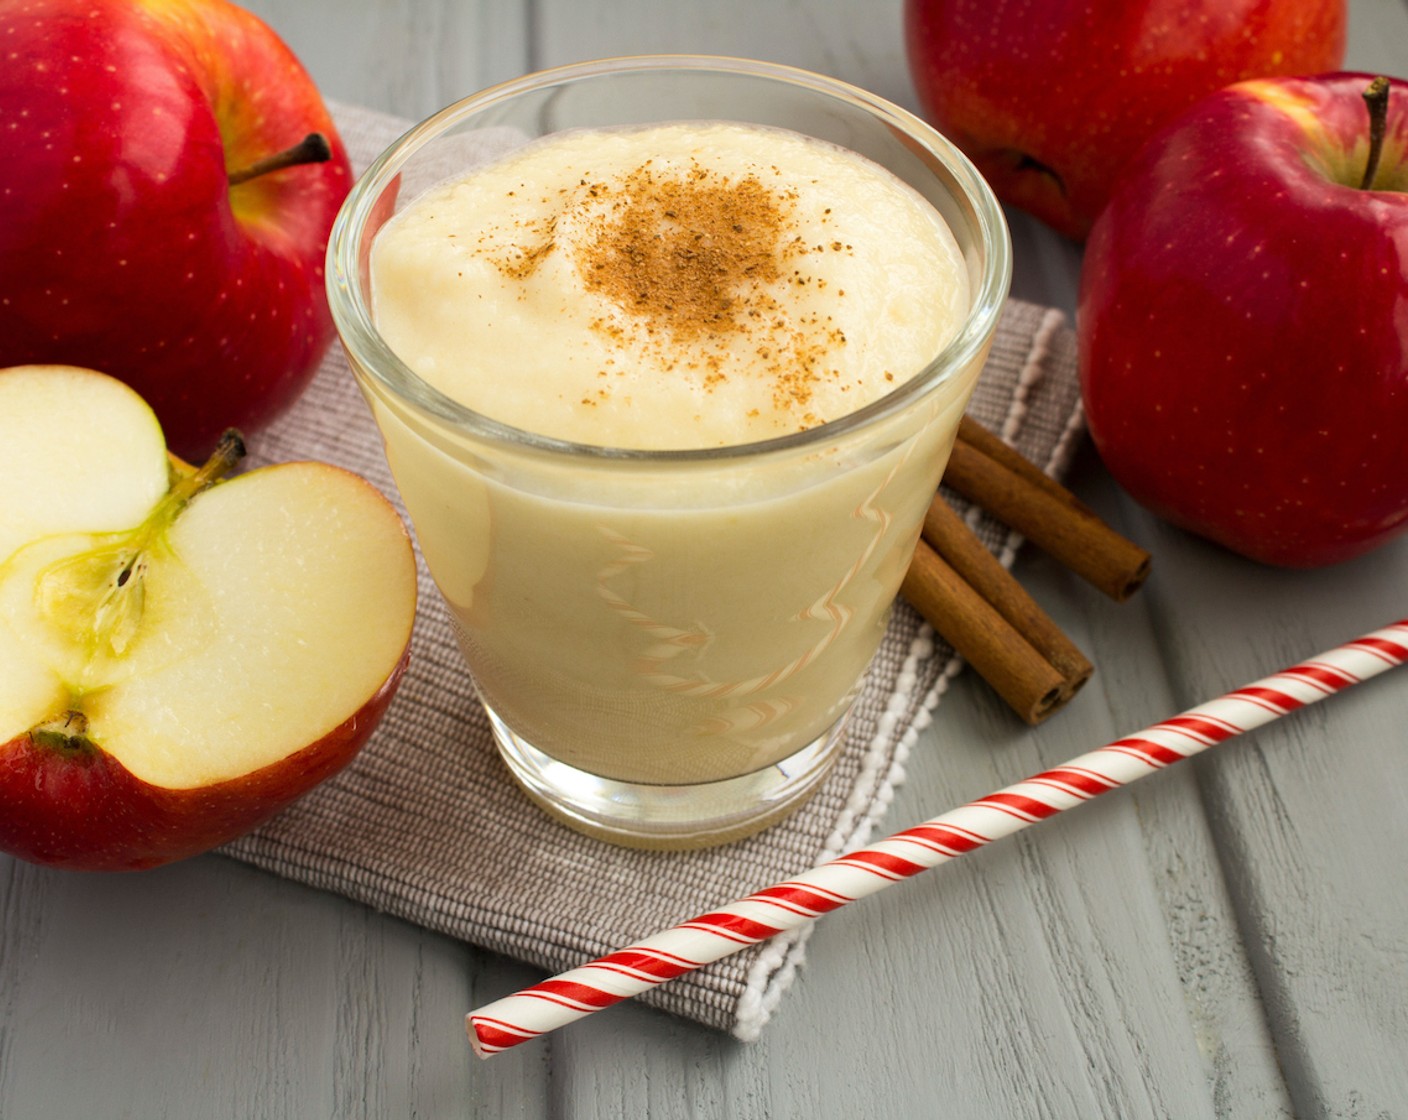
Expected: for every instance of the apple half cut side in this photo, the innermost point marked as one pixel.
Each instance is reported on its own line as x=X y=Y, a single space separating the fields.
x=180 y=657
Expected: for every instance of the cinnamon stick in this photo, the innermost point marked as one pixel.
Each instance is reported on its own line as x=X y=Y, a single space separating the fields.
x=978 y=606
x=1030 y=685
x=988 y=472
x=947 y=534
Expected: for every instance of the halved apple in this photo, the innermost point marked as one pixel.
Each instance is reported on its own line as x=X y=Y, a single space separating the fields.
x=180 y=657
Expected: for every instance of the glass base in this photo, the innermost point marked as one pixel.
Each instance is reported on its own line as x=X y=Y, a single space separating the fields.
x=669 y=817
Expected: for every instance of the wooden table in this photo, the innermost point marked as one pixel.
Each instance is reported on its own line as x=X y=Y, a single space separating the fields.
x=1227 y=939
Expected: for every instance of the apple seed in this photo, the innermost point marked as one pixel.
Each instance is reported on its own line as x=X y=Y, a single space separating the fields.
x=96 y=597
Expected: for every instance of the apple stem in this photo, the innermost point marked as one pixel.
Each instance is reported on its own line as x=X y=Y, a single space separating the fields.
x=313 y=148
x=1376 y=100
x=228 y=451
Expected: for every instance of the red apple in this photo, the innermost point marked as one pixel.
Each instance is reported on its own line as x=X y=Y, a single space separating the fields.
x=179 y=657
x=123 y=245
x=1243 y=322
x=1050 y=99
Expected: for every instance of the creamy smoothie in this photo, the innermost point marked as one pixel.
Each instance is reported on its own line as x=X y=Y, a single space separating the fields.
x=678 y=287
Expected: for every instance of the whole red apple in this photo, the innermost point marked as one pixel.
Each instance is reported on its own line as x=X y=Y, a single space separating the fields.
x=1243 y=322
x=123 y=245
x=1050 y=99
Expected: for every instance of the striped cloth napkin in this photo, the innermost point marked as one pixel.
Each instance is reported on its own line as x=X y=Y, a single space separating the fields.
x=427 y=825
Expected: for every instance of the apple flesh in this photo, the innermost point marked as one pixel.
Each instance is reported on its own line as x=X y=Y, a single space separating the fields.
x=124 y=245
x=1242 y=338
x=179 y=657
x=1050 y=100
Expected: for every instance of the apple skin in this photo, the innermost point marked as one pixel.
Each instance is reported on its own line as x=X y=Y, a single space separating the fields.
x=122 y=246
x=1242 y=339
x=84 y=811
x=1051 y=99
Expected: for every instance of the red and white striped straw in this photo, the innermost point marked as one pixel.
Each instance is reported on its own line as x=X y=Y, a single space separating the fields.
x=572 y=995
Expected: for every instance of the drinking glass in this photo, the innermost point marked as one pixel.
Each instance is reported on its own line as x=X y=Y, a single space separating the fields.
x=667 y=643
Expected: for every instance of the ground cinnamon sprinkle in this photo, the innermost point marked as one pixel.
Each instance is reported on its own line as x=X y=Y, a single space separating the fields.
x=685 y=254
x=523 y=266
x=693 y=257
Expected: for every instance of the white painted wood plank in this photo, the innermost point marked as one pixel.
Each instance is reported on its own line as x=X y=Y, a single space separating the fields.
x=855 y=40
x=211 y=989
x=1309 y=818
x=1219 y=991
x=409 y=57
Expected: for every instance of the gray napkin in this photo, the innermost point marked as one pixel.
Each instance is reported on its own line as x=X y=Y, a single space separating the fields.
x=427 y=825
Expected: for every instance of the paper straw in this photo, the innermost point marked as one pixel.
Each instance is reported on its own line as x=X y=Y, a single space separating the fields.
x=575 y=994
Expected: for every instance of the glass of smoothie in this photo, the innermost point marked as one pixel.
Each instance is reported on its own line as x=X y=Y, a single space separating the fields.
x=668 y=355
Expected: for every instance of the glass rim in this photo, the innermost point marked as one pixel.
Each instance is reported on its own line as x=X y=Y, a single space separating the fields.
x=370 y=352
